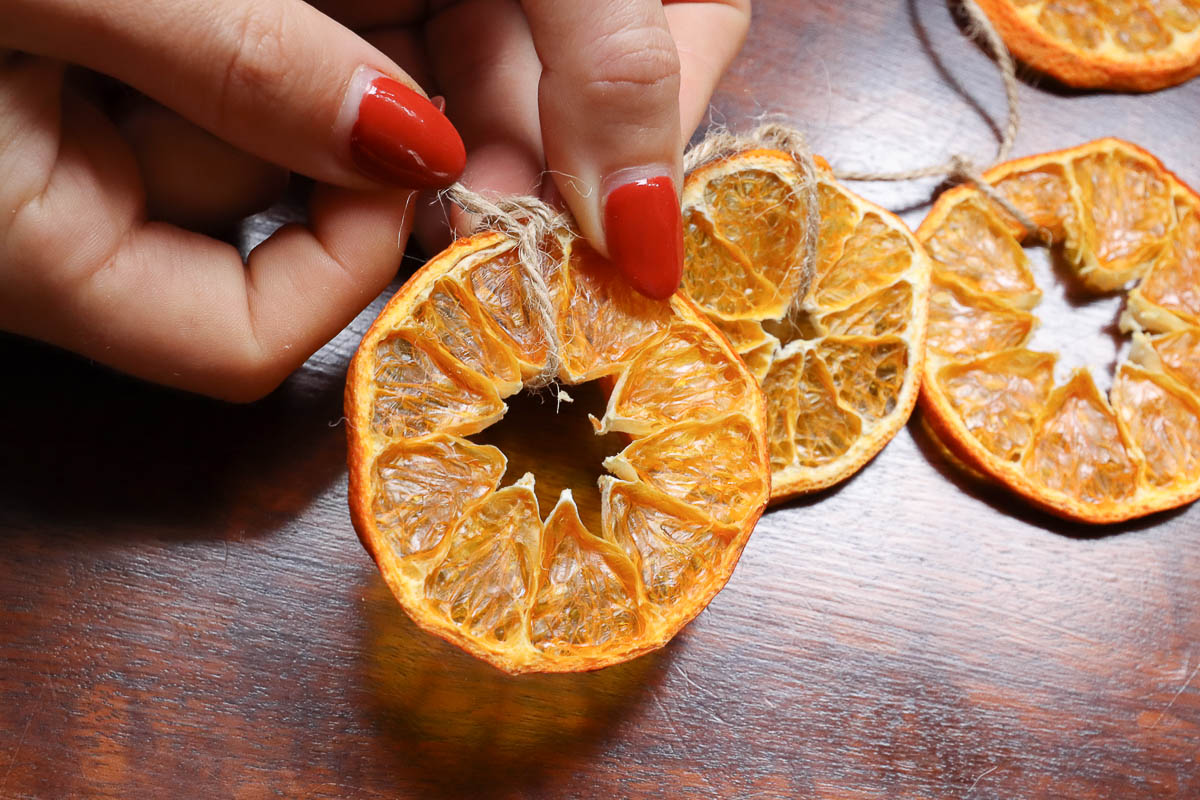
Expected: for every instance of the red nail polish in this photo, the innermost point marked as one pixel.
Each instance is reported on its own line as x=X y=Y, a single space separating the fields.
x=400 y=137
x=644 y=230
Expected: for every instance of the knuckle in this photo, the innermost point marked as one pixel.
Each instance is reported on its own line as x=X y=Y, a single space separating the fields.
x=249 y=375
x=251 y=363
x=639 y=61
x=256 y=60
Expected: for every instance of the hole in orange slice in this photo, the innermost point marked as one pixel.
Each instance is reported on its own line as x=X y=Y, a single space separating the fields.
x=553 y=439
x=1078 y=323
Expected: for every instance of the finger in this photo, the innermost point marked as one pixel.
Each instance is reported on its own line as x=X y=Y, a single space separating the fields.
x=487 y=69
x=192 y=178
x=408 y=48
x=275 y=78
x=609 y=103
x=707 y=35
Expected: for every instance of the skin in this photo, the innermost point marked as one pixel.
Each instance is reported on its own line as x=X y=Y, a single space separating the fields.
x=109 y=192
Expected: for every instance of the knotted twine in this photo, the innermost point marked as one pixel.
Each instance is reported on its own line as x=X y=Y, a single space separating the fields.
x=530 y=222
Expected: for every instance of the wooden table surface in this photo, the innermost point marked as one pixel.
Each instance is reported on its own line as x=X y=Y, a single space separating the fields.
x=187 y=612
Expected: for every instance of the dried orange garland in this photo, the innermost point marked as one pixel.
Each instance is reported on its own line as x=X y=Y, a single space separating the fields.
x=1128 y=44
x=1120 y=217
x=481 y=565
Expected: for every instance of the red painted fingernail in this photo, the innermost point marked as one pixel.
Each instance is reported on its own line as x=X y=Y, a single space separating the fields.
x=645 y=235
x=400 y=137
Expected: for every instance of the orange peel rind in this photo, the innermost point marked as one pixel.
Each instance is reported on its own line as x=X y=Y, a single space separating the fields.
x=1138 y=45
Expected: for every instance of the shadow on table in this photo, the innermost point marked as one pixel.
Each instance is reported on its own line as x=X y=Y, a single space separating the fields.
x=1006 y=502
x=931 y=50
x=90 y=450
x=455 y=726
x=821 y=495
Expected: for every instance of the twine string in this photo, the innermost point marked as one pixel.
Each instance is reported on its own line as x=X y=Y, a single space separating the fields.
x=960 y=167
x=531 y=222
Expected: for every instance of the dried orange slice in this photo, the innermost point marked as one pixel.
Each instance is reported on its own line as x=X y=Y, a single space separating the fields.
x=841 y=372
x=1119 y=217
x=479 y=564
x=1138 y=45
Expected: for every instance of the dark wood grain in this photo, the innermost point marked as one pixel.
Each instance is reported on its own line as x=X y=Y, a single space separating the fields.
x=187 y=612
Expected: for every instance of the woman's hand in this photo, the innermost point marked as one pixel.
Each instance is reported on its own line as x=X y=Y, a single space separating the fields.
x=102 y=190
x=603 y=94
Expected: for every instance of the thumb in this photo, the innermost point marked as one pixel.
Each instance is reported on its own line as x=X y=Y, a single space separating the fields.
x=276 y=78
x=609 y=105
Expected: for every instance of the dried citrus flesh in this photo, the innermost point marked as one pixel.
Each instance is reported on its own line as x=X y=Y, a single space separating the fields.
x=480 y=564
x=841 y=372
x=1138 y=45
x=1121 y=219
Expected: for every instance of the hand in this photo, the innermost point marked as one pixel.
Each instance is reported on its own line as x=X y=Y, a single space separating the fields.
x=97 y=249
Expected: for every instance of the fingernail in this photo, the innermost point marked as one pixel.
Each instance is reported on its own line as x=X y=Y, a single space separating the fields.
x=400 y=137
x=644 y=231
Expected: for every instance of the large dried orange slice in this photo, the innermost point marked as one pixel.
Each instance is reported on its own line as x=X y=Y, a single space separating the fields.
x=841 y=369
x=1137 y=45
x=1118 y=217
x=480 y=564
